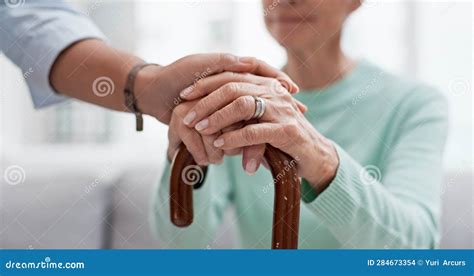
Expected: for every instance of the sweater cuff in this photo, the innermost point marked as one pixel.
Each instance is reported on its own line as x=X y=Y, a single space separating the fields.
x=336 y=205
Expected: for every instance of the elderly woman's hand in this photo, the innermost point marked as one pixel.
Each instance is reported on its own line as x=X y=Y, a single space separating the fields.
x=201 y=147
x=283 y=125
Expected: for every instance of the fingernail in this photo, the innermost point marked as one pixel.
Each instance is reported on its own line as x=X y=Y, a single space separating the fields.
x=251 y=167
x=202 y=125
x=186 y=92
x=189 y=118
x=219 y=143
x=247 y=60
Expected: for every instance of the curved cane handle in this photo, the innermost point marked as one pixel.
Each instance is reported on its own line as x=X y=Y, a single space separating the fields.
x=286 y=210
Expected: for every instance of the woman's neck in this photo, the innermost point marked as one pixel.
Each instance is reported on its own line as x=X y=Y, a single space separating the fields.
x=317 y=68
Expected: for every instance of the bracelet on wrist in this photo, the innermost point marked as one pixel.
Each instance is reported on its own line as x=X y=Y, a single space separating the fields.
x=129 y=91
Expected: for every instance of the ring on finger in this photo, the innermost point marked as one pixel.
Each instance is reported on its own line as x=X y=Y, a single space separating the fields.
x=259 y=108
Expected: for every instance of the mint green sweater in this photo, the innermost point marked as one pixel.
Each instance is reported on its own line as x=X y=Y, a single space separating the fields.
x=389 y=134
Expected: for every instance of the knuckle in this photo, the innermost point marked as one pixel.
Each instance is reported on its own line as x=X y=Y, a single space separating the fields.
x=290 y=130
x=231 y=88
x=229 y=75
x=287 y=110
x=242 y=104
x=183 y=108
x=226 y=58
x=202 y=105
x=275 y=85
x=249 y=135
x=216 y=118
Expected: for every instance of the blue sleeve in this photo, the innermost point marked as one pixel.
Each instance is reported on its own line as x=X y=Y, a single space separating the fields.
x=32 y=35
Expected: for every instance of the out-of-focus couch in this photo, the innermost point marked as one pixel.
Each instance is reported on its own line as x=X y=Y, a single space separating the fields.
x=95 y=204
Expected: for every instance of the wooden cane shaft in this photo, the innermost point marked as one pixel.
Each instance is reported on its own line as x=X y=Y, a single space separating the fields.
x=286 y=211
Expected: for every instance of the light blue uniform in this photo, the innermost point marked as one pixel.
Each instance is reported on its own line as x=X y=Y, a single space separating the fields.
x=32 y=35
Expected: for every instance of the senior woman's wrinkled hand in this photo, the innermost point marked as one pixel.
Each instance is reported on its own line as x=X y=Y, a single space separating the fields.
x=201 y=147
x=283 y=125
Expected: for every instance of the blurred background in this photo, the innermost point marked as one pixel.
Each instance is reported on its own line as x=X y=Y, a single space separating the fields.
x=86 y=177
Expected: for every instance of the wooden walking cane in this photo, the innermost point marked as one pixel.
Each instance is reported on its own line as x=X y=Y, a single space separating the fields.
x=185 y=175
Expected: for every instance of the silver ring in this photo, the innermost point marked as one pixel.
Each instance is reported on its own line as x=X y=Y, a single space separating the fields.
x=259 y=108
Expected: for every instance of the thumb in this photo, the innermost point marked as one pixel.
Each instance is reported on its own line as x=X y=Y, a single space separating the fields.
x=252 y=157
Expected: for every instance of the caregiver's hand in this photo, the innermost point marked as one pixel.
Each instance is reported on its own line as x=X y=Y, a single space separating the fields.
x=283 y=125
x=78 y=69
x=160 y=86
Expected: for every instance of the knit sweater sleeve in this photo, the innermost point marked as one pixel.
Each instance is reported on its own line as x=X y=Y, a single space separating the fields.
x=397 y=203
